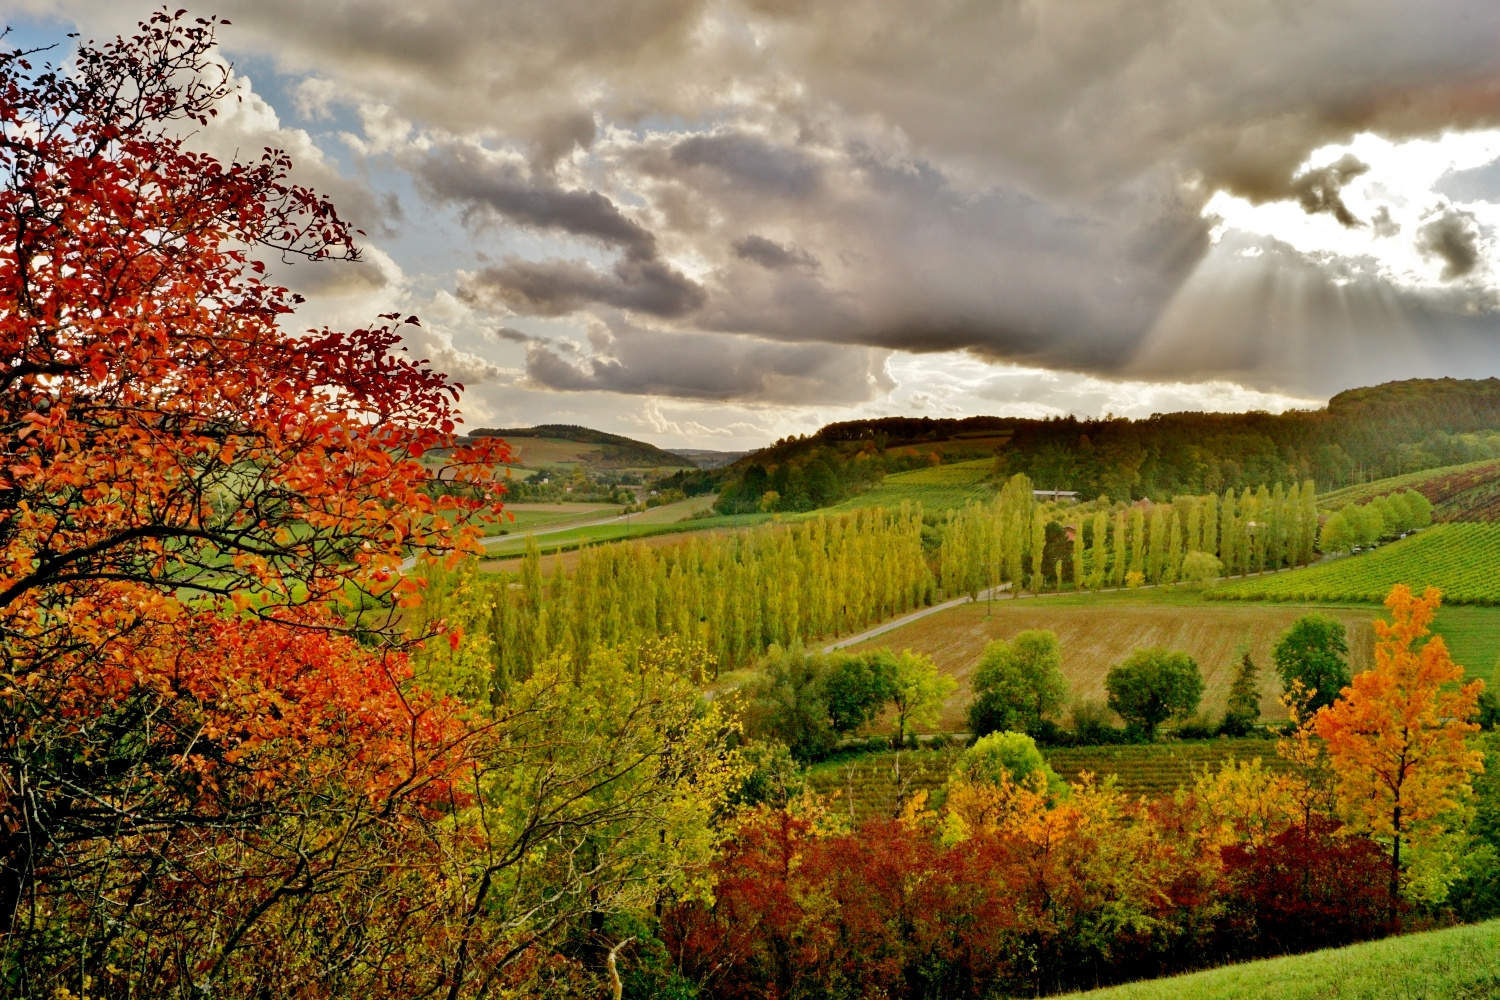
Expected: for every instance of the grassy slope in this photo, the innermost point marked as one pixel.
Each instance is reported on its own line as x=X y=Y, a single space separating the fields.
x=667 y=519
x=939 y=488
x=1097 y=631
x=1459 y=559
x=1365 y=492
x=1457 y=963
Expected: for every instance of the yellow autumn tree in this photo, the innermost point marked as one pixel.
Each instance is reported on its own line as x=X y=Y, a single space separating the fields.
x=1396 y=736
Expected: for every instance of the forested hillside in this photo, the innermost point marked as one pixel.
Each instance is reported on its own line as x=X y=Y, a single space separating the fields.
x=1362 y=435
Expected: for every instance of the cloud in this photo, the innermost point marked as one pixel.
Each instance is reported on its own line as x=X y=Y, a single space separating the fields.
x=771 y=255
x=752 y=163
x=559 y=287
x=1318 y=190
x=1013 y=182
x=639 y=361
x=1452 y=237
x=481 y=184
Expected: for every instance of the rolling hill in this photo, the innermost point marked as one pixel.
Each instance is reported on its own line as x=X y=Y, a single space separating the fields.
x=568 y=444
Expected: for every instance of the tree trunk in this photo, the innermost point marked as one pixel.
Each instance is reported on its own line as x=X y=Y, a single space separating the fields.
x=1395 y=886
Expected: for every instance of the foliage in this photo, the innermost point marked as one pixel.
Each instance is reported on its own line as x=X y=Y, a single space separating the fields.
x=807 y=700
x=1243 y=709
x=738 y=594
x=1018 y=684
x=1008 y=890
x=998 y=757
x=1154 y=685
x=772 y=776
x=918 y=693
x=1455 y=558
x=199 y=762
x=1202 y=568
x=1314 y=652
x=1396 y=738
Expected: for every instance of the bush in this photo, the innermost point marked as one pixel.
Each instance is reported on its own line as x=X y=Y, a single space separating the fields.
x=1092 y=726
x=774 y=778
x=999 y=755
x=1202 y=568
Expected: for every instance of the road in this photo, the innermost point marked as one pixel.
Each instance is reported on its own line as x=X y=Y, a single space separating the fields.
x=896 y=623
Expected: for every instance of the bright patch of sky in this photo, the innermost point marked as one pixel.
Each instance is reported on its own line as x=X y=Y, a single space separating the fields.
x=1407 y=187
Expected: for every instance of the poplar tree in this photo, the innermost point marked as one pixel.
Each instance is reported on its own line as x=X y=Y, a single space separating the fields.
x=1038 y=548
x=1195 y=527
x=1229 y=534
x=1137 y=540
x=1174 y=550
x=1078 y=570
x=1099 y=554
x=1157 y=552
x=1210 y=537
x=1117 y=570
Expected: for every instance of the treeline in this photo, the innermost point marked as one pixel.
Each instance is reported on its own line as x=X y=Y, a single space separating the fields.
x=1362 y=525
x=1014 y=539
x=1362 y=435
x=806 y=479
x=735 y=595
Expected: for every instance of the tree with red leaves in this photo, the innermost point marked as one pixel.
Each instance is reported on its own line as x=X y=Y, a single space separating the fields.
x=197 y=510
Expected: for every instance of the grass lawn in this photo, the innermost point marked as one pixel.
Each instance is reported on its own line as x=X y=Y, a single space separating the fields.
x=667 y=519
x=1457 y=963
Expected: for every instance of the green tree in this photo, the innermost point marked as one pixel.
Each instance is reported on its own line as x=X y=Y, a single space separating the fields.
x=1243 y=710
x=1336 y=536
x=1202 y=568
x=993 y=758
x=1314 y=651
x=856 y=688
x=789 y=704
x=1018 y=684
x=1154 y=685
x=1117 y=569
x=918 y=695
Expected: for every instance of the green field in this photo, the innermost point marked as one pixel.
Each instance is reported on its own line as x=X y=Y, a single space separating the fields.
x=877 y=783
x=668 y=519
x=1457 y=963
x=1463 y=560
x=940 y=488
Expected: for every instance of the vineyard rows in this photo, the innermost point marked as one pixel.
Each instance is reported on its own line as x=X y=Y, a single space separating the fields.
x=1458 y=493
x=1462 y=560
x=876 y=786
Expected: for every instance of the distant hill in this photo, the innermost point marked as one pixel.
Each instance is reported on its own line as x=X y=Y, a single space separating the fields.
x=602 y=449
x=1362 y=435
x=706 y=459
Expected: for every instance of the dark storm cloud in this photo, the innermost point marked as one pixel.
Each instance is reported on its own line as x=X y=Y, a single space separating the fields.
x=636 y=361
x=1318 y=190
x=479 y=186
x=1452 y=237
x=559 y=287
x=1022 y=181
x=771 y=255
x=752 y=162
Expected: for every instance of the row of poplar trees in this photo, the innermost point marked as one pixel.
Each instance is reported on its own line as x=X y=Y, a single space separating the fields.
x=734 y=594
x=1004 y=540
x=737 y=594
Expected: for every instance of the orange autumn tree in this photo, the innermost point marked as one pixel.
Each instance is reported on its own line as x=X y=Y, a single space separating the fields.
x=194 y=501
x=1396 y=735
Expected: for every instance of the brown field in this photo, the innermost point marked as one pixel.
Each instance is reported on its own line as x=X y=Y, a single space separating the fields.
x=1095 y=637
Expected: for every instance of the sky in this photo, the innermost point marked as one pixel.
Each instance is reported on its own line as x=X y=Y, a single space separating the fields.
x=715 y=223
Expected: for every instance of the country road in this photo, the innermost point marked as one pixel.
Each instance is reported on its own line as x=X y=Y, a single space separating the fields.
x=896 y=623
